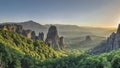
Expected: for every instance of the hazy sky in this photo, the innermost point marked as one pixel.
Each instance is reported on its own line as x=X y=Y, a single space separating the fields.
x=76 y=12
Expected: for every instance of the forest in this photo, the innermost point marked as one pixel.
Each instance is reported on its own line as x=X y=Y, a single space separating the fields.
x=22 y=52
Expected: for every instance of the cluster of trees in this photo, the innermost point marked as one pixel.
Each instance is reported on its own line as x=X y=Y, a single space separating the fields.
x=106 y=60
x=17 y=51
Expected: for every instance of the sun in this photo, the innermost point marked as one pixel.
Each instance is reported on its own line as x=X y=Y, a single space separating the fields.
x=118 y=22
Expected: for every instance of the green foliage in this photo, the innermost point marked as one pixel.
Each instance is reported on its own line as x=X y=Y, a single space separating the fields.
x=35 y=48
x=17 y=51
x=106 y=60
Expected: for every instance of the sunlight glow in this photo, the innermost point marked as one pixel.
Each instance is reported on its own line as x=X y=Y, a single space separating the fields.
x=118 y=22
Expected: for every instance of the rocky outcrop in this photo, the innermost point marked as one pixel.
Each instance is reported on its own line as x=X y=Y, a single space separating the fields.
x=116 y=43
x=19 y=29
x=27 y=33
x=41 y=36
x=12 y=27
x=111 y=43
x=53 y=39
x=86 y=41
x=61 y=42
x=33 y=35
x=88 y=38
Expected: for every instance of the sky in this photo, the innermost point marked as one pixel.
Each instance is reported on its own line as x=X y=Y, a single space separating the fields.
x=75 y=12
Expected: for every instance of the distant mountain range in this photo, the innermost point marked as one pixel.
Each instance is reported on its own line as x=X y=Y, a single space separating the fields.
x=33 y=26
x=37 y=27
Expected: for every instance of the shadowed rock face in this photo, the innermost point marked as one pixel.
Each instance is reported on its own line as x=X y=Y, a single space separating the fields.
x=33 y=35
x=41 y=36
x=53 y=39
x=19 y=29
x=113 y=42
x=52 y=32
x=110 y=42
x=61 y=42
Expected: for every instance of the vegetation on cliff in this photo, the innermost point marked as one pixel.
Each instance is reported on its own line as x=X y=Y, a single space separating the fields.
x=19 y=51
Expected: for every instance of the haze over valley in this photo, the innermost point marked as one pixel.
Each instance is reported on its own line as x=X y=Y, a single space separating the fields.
x=59 y=33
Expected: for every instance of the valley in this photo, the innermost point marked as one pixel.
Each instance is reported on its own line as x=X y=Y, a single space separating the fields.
x=34 y=50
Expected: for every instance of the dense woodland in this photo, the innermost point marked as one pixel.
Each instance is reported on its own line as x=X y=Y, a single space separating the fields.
x=17 y=51
x=106 y=60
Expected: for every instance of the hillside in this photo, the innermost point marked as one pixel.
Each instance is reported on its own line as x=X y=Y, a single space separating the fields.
x=112 y=42
x=15 y=47
x=33 y=26
x=17 y=51
x=74 y=34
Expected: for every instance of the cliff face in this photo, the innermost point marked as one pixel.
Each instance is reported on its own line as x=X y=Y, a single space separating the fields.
x=116 y=43
x=19 y=29
x=53 y=39
x=111 y=43
x=12 y=27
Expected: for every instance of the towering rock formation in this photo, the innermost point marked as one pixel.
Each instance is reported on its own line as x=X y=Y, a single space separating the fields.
x=112 y=43
x=53 y=39
x=116 y=41
x=33 y=35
